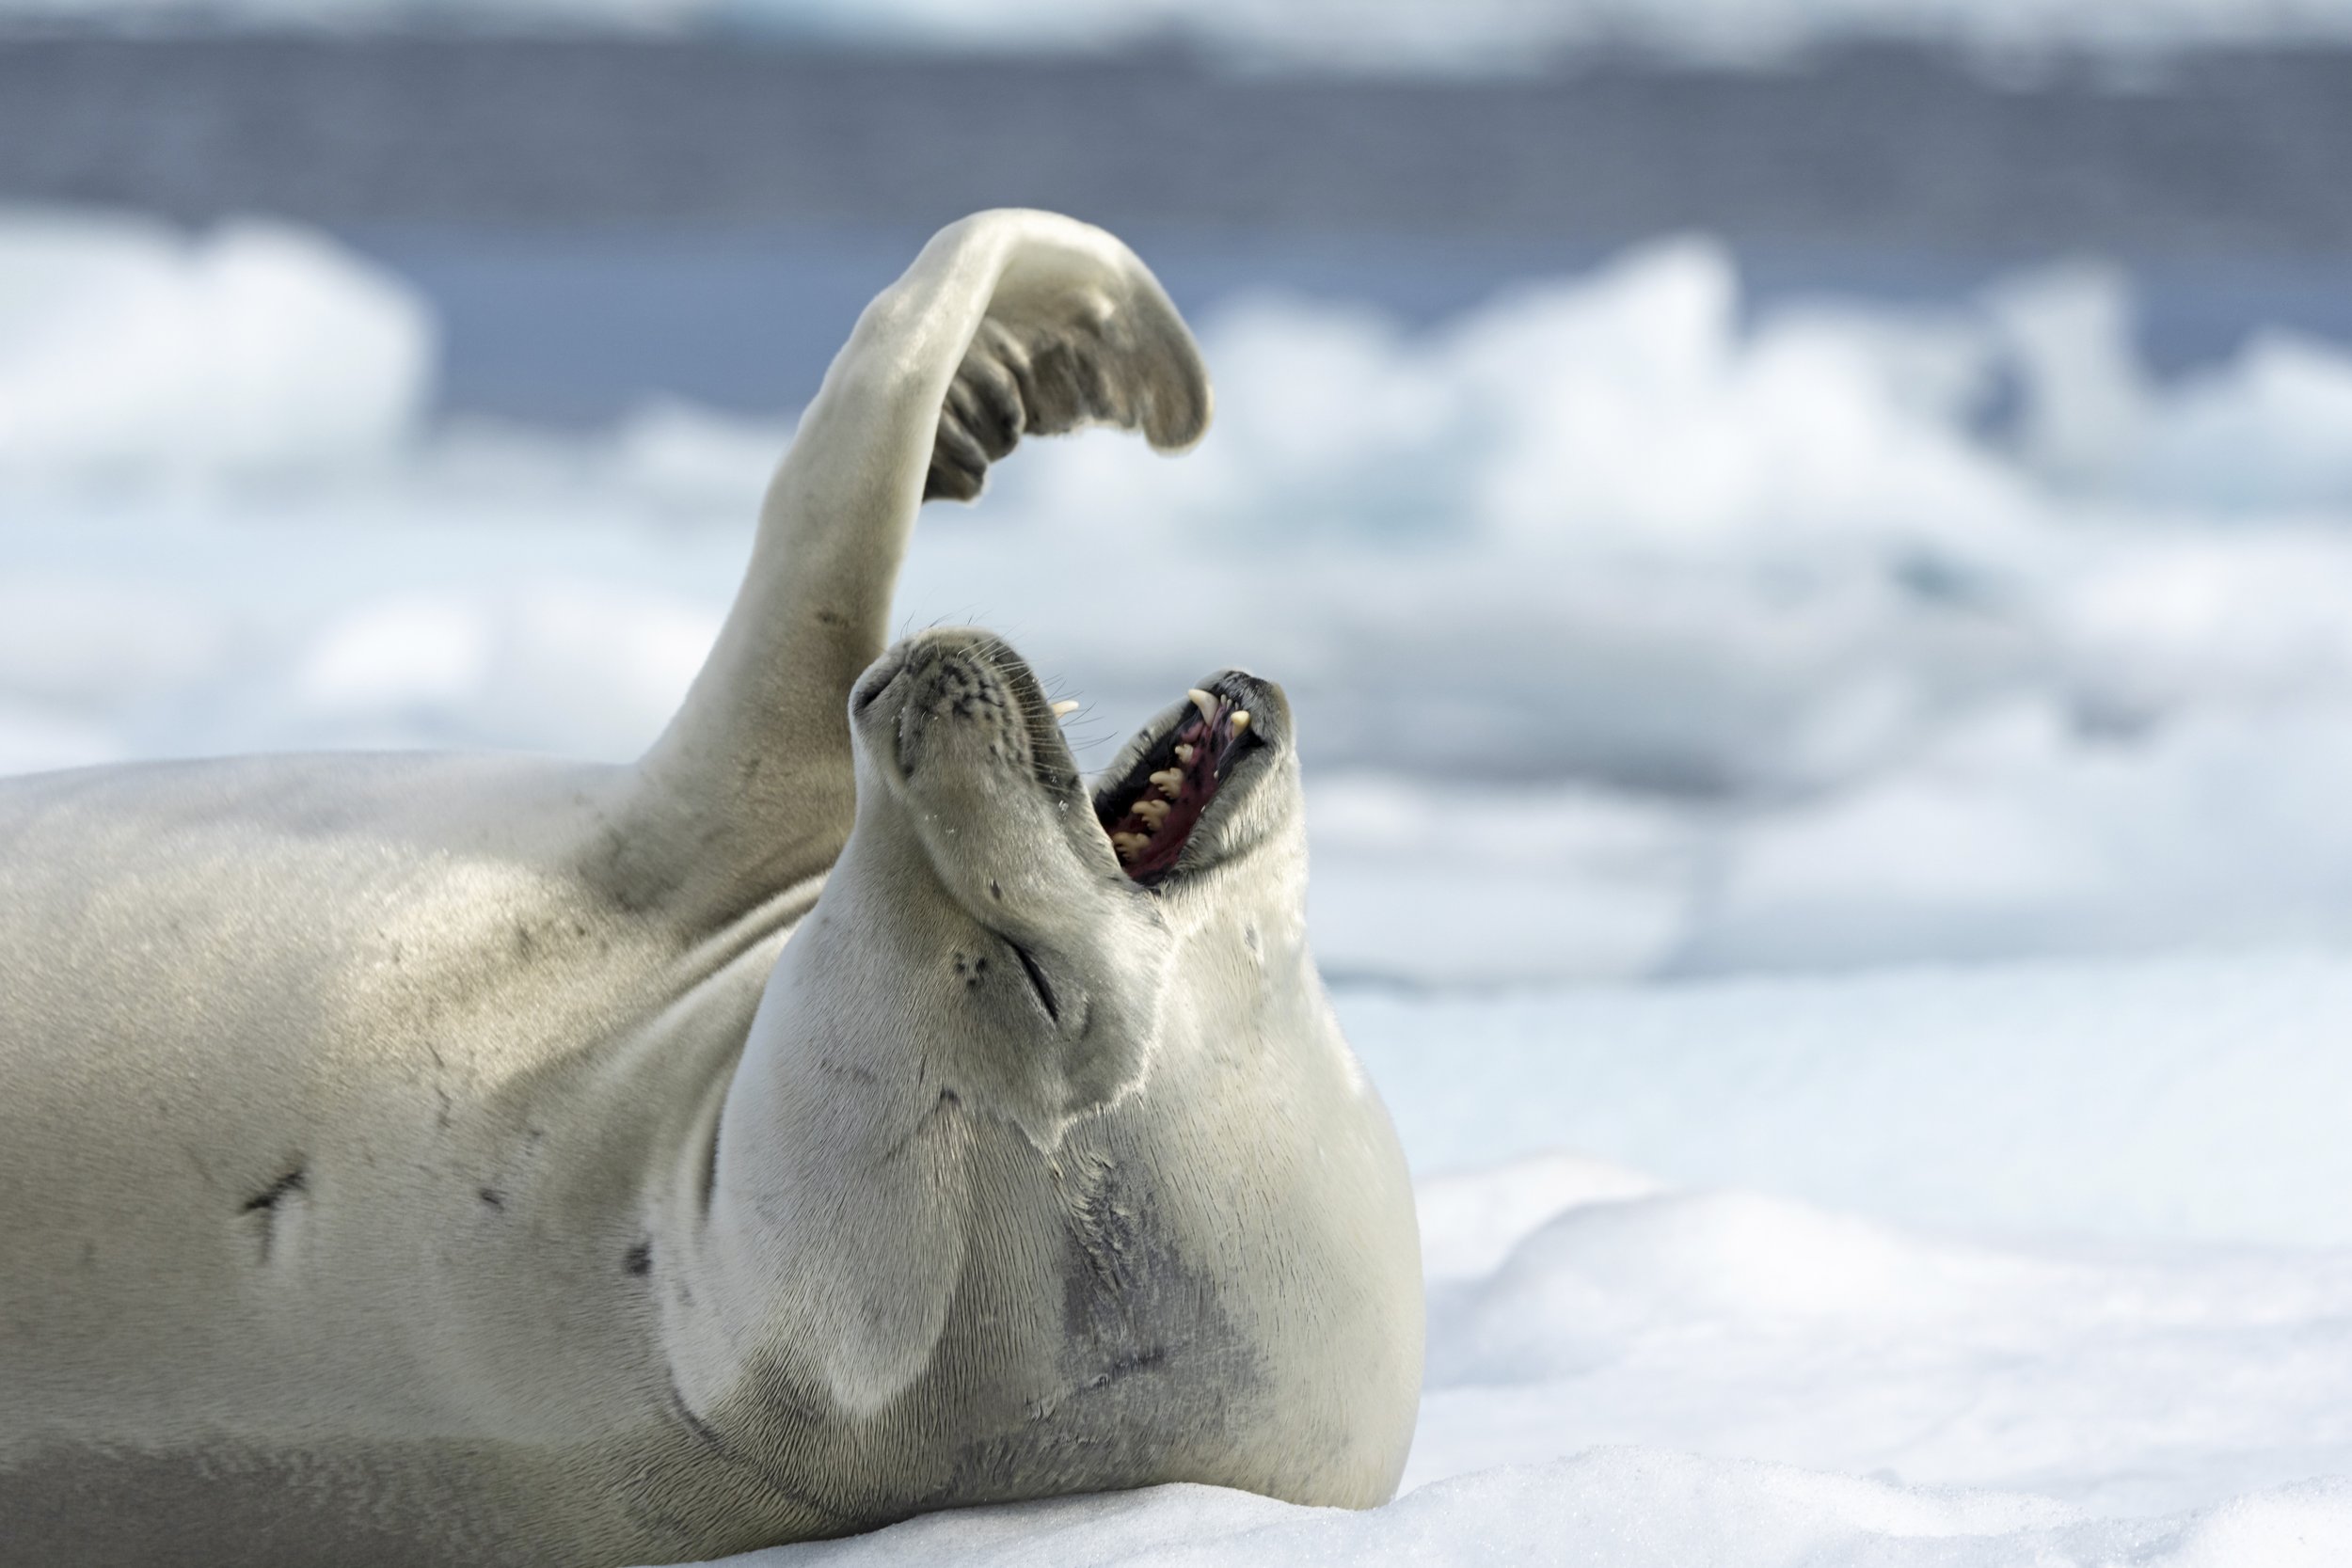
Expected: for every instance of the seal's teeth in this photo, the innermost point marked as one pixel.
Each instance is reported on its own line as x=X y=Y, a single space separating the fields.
x=1065 y=709
x=1240 y=721
x=1129 y=844
x=1206 y=704
x=1184 y=755
x=1152 y=812
x=1171 y=781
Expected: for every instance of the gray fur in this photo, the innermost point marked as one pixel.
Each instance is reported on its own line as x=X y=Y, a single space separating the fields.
x=430 y=1160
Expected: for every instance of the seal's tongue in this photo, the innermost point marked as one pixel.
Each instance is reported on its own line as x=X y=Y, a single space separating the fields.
x=1164 y=797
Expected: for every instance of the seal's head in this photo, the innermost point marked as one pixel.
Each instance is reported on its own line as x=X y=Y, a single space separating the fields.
x=1062 y=918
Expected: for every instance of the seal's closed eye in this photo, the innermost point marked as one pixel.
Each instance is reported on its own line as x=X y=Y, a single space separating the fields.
x=1036 y=980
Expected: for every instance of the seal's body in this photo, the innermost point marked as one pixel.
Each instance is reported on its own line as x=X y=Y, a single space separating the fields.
x=428 y=1160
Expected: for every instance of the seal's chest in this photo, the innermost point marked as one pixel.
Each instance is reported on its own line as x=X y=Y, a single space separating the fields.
x=1148 y=1377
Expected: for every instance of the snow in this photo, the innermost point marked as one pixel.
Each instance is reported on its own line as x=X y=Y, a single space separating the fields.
x=1397 y=35
x=1617 y=1508
x=2156 y=1100
x=1645 y=650
x=125 y=344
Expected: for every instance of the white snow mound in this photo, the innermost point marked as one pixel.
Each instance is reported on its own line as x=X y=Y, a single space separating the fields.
x=126 y=346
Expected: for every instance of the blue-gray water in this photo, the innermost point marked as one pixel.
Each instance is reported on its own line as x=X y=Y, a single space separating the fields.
x=599 y=218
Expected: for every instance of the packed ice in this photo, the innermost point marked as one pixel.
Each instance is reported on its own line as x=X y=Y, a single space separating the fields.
x=1634 y=633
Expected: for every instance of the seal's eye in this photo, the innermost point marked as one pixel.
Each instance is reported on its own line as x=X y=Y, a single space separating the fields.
x=1153 y=810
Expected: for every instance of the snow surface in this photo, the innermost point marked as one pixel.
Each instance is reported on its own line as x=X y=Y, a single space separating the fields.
x=1669 y=639
x=1612 y=1508
x=1393 y=35
x=2180 y=1100
x=1626 y=1370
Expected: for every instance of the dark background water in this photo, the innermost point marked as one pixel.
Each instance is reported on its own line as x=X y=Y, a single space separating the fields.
x=600 y=219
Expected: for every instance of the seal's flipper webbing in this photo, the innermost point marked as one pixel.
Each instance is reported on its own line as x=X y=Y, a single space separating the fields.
x=1009 y=323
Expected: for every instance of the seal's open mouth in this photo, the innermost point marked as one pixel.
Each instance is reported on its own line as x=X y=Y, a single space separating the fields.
x=1151 y=812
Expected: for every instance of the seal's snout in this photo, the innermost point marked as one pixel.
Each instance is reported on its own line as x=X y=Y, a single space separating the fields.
x=960 y=699
x=957 y=709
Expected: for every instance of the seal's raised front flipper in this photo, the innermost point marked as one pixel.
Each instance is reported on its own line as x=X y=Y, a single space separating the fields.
x=1057 y=352
x=1009 y=323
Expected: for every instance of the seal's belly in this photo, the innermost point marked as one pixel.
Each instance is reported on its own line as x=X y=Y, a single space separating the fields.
x=296 y=1063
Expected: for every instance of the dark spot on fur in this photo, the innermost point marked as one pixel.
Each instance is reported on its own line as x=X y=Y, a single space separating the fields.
x=949 y=1101
x=442 y=1117
x=711 y=1171
x=492 y=1196
x=993 y=891
x=639 y=1260
x=279 y=1191
x=1127 y=1366
x=273 y=1197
